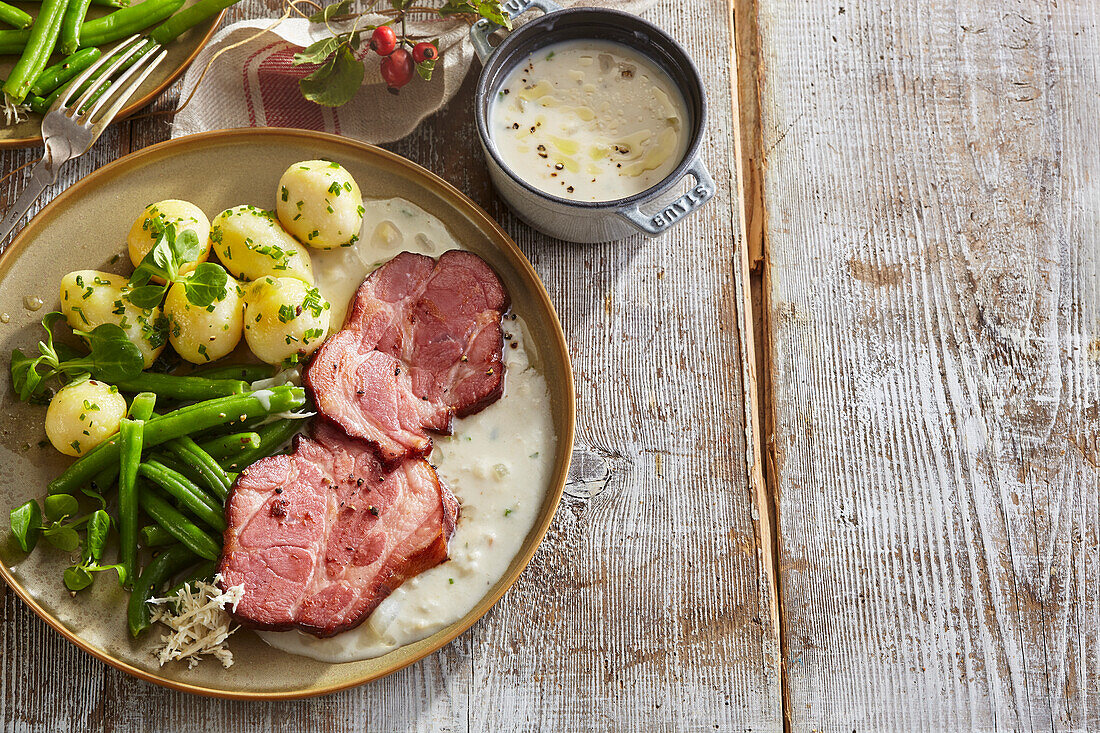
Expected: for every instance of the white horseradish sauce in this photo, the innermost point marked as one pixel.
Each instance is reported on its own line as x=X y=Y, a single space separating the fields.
x=498 y=462
x=589 y=120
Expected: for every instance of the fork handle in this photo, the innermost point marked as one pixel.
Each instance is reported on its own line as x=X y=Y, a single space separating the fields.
x=42 y=175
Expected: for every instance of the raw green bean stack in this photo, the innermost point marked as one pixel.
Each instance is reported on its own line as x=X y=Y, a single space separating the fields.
x=62 y=30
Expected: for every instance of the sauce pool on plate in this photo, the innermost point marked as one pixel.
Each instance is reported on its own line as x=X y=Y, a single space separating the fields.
x=589 y=121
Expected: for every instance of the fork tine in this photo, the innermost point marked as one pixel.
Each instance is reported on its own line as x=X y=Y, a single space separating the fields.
x=106 y=75
x=74 y=85
x=123 y=94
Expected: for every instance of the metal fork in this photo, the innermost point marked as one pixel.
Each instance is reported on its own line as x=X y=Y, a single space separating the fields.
x=69 y=130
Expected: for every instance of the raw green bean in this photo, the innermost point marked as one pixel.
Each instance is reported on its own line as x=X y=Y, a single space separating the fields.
x=190 y=496
x=188 y=18
x=179 y=526
x=154 y=535
x=14 y=41
x=163 y=567
x=42 y=106
x=69 y=40
x=228 y=446
x=272 y=436
x=64 y=71
x=185 y=388
x=15 y=17
x=126 y=22
x=40 y=44
x=184 y=421
x=246 y=372
x=141 y=408
x=129 y=433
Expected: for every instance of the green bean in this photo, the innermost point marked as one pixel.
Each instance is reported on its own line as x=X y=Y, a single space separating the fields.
x=179 y=526
x=105 y=479
x=130 y=433
x=246 y=372
x=15 y=17
x=69 y=40
x=227 y=446
x=190 y=496
x=14 y=41
x=40 y=44
x=154 y=535
x=213 y=474
x=188 y=18
x=101 y=3
x=272 y=436
x=42 y=106
x=186 y=388
x=126 y=22
x=64 y=71
x=141 y=408
x=169 y=459
x=184 y=421
x=163 y=567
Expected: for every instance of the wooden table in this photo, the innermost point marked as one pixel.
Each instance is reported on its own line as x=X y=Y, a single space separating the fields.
x=911 y=267
x=650 y=604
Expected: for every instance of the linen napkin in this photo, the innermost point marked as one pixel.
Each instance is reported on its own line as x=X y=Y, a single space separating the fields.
x=255 y=84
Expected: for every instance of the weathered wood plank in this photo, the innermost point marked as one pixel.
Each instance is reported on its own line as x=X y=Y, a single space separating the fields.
x=932 y=230
x=649 y=605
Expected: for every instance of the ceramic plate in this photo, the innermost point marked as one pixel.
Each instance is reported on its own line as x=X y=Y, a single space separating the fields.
x=86 y=227
x=181 y=53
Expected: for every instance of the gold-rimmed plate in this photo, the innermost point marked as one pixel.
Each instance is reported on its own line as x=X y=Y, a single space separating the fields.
x=85 y=227
x=181 y=53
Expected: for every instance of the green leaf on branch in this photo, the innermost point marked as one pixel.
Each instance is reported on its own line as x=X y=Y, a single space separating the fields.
x=26 y=524
x=336 y=82
x=316 y=53
x=331 y=11
x=147 y=296
x=114 y=357
x=425 y=68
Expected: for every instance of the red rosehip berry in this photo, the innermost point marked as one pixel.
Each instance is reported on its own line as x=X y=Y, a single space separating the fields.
x=383 y=41
x=397 y=69
x=425 y=51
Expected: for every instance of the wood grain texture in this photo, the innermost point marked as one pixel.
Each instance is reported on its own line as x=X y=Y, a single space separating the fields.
x=933 y=224
x=649 y=606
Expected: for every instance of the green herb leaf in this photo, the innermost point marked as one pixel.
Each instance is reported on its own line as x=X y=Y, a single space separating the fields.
x=206 y=284
x=99 y=524
x=77 y=578
x=336 y=82
x=185 y=247
x=114 y=356
x=147 y=296
x=59 y=506
x=25 y=379
x=26 y=524
x=97 y=568
x=331 y=11
x=63 y=538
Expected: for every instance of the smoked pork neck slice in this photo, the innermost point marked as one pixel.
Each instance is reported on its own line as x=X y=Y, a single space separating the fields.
x=422 y=343
x=321 y=536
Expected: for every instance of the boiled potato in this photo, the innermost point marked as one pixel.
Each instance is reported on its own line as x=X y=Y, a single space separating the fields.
x=90 y=298
x=252 y=244
x=285 y=319
x=205 y=334
x=148 y=227
x=320 y=204
x=82 y=415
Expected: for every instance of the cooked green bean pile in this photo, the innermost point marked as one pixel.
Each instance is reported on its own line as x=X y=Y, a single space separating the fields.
x=61 y=30
x=153 y=468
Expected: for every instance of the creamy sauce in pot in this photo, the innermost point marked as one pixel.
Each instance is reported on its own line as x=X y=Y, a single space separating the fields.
x=498 y=462
x=589 y=120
